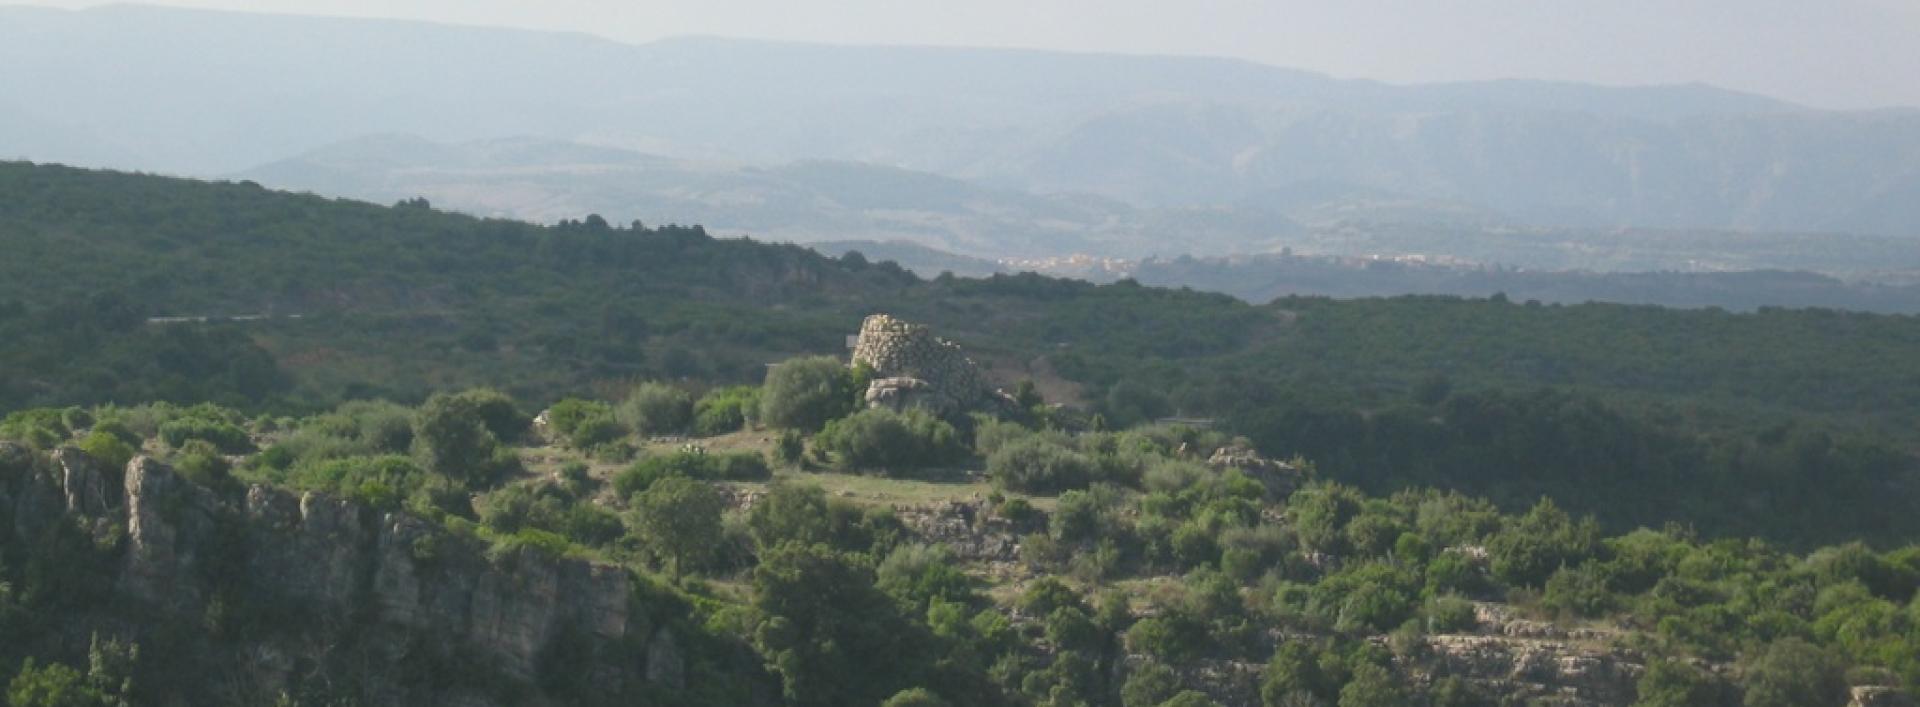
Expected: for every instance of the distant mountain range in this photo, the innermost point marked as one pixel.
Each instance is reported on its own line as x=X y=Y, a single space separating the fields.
x=211 y=93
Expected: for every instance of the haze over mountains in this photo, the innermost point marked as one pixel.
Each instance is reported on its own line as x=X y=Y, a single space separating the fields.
x=1263 y=146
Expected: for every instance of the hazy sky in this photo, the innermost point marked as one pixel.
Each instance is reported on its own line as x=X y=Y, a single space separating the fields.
x=1827 y=53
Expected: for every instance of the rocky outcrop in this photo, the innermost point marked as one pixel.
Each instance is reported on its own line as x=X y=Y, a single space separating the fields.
x=1880 y=696
x=1280 y=478
x=973 y=534
x=335 y=573
x=1539 y=671
x=156 y=559
x=82 y=481
x=407 y=575
x=914 y=368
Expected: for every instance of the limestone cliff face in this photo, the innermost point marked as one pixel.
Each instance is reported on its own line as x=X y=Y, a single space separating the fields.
x=394 y=589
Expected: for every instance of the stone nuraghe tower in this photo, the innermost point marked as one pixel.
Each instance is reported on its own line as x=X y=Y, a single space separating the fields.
x=913 y=368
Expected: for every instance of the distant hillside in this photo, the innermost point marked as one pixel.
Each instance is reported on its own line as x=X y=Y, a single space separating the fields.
x=212 y=93
x=546 y=180
x=924 y=261
x=1264 y=278
x=397 y=301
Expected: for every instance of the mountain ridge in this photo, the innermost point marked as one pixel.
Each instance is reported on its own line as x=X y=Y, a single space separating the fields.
x=1182 y=132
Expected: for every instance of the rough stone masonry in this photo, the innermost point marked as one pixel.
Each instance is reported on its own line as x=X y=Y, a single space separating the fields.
x=914 y=368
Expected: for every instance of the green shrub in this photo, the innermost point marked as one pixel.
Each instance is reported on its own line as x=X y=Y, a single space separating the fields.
x=566 y=416
x=110 y=451
x=383 y=482
x=228 y=437
x=889 y=441
x=1170 y=637
x=1539 y=543
x=1793 y=672
x=200 y=462
x=914 y=697
x=596 y=432
x=736 y=466
x=724 y=410
x=119 y=429
x=789 y=448
x=1294 y=676
x=679 y=521
x=656 y=408
x=534 y=540
x=1671 y=683
x=41 y=428
x=805 y=393
x=1371 y=596
x=385 y=428
x=1149 y=685
x=1373 y=686
x=922 y=574
x=1037 y=465
x=498 y=412
x=76 y=418
x=1017 y=509
x=991 y=433
x=1579 y=591
x=549 y=508
x=1450 y=614
x=451 y=438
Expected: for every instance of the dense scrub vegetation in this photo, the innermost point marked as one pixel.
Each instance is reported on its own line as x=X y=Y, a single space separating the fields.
x=1230 y=557
x=1733 y=492
x=1794 y=425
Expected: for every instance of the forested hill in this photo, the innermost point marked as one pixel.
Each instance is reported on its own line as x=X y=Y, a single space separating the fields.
x=1716 y=418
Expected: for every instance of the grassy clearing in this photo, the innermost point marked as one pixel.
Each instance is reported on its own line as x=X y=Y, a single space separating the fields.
x=882 y=491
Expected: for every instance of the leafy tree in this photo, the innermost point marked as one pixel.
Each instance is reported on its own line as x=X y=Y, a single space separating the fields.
x=51 y=685
x=1295 y=670
x=656 y=408
x=451 y=438
x=1321 y=514
x=1149 y=685
x=1671 y=683
x=920 y=574
x=802 y=513
x=108 y=681
x=1171 y=637
x=1794 y=673
x=498 y=412
x=805 y=393
x=1541 y=542
x=679 y=519
x=822 y=620
x=1372 y=686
